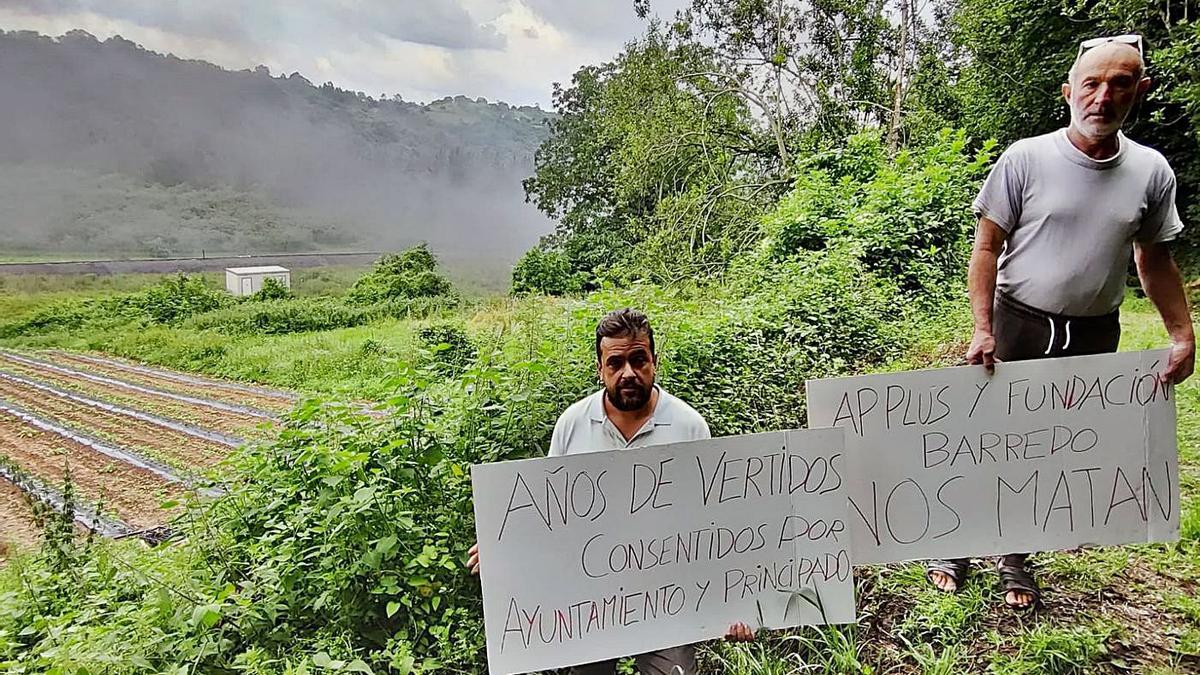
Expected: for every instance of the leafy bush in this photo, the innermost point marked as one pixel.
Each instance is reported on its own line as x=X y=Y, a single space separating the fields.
x=910 y=218
x=58 y=317
x=450 y=349
x=546 y=270
x=745 y=367
x=190 y=303
x=398 y=276
x=271 y=289
x=354 y=526
x=173 y=299
x=169 y=301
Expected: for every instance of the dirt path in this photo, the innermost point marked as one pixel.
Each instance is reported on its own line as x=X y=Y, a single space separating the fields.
x=224 y=421
x=180 y=383
x=132 y=493
x=177 y=449
x=17 y=527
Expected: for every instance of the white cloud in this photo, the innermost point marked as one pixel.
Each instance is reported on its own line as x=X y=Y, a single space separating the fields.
x=510 y=50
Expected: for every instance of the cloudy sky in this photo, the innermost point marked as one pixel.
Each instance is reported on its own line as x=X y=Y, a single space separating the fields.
x=510 y=50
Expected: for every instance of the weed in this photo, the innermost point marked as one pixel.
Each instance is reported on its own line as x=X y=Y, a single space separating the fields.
x=831 y=649
x=1187 y=606
x=762 y=657
x=1087 y=571
x=944 y=619
x=1189 y=522
x=1054 y=650
x=933 y=662
x=1189 y=642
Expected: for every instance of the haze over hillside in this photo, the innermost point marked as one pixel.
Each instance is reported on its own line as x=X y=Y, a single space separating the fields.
x=108 y=148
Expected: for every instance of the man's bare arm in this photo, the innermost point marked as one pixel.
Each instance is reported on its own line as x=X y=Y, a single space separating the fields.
x=981 y=287
x=1164 y=286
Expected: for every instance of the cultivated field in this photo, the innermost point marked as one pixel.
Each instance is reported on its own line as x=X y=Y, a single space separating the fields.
x=135 y=441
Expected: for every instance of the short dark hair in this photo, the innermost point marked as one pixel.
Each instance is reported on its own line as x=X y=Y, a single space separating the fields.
x=626 y=322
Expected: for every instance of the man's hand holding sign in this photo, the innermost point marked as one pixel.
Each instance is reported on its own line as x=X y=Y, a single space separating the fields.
x=593 y=555
x=596 y=555
x=1037 y=456
x=601 y=555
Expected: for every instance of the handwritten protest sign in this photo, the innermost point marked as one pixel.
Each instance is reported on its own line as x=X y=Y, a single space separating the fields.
x=609 y=554
x=1042 y=455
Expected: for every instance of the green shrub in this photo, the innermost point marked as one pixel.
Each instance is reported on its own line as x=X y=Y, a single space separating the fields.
x=355 y=526
x=171 y=300
x=909 y=218
x=547 y=271
x=166 y=302
x=300 y=315
x=400 y=276
x=743 y=364
x=62 y=316
x=449 y=347
x=271 y=289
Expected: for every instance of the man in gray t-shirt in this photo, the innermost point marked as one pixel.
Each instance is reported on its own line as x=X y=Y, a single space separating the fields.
x=1060 y=215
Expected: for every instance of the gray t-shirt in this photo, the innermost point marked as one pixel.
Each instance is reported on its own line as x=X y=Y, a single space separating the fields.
x=584 y=426
x=1072 y=220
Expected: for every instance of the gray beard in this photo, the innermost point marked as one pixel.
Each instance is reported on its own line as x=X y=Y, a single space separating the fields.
x=1093 y=129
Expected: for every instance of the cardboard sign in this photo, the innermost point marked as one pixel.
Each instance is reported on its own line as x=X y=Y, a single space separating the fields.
x=1041 y=455
x=603 y=555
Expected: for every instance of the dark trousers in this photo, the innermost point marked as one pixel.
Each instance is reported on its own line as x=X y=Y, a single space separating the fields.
x=673 y=661
x=1023 y=333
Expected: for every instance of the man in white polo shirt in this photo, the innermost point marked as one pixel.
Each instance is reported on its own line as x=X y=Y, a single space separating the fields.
x=630 y=411
x=1060 y=215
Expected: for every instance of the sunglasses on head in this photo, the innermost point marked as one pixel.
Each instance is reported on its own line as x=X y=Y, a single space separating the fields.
x=1133 y=40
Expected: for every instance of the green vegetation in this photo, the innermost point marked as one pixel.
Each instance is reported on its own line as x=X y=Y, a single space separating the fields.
x=341 y=542
x=772 y=184
x=400 y=276
x=663 y=161
x=1055 y=650
x=314 y=339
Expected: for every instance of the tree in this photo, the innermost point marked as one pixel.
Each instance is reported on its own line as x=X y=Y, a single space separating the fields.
x=813 y=71
x=663 y=160
x=642 y=144
x=545 y=271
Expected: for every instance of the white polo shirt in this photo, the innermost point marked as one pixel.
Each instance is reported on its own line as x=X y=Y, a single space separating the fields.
x=584 y=426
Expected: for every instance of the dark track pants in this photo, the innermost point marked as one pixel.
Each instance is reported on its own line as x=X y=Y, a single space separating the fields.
x=1024 y=333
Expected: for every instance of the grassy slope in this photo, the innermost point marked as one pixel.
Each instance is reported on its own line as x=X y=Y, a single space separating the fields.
x=1108 y=610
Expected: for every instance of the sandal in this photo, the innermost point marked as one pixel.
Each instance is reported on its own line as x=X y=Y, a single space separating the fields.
x=955 y=568
x=1017 y=578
